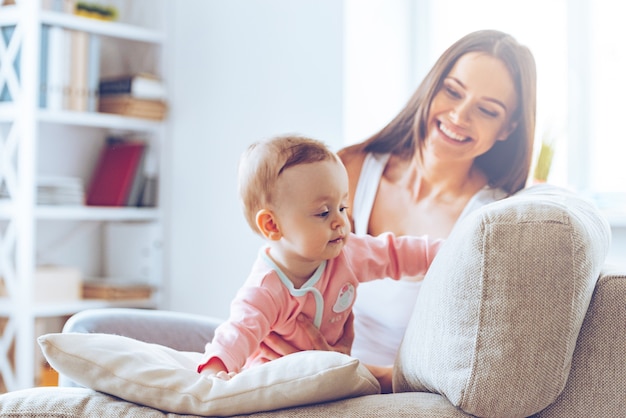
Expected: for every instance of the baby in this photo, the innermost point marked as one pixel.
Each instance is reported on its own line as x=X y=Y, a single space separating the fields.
x=294 y=192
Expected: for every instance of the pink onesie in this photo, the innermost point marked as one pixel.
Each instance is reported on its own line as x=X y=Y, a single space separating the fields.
x=269 y=302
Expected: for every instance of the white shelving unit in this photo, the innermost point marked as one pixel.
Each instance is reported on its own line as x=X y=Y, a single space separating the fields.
x=23 y=126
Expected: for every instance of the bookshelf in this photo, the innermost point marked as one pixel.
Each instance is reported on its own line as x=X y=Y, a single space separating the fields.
x=36 y=140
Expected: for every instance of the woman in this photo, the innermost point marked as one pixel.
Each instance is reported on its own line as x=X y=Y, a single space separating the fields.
x=464 y=139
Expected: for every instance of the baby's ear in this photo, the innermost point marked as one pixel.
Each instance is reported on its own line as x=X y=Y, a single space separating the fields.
x=267 y=225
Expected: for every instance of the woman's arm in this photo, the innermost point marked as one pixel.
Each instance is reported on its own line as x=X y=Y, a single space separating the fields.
x=343 y=345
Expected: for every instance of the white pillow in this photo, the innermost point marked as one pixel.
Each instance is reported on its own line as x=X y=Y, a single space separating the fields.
x=166 y=379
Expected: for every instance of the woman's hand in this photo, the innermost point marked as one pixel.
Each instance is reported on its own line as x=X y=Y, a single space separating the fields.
x=275 y=346
x=384 y=375
x=343 y=345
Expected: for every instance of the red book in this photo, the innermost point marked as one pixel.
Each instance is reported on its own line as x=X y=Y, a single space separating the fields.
x=112 y=180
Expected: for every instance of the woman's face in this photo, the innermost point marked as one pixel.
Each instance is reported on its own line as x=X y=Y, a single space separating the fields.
x=472 y=110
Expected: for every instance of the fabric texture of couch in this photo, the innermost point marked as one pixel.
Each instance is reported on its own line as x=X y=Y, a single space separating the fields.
x=518 y=316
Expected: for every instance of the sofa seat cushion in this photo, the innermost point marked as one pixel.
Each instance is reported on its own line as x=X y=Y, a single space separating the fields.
x=166 y=379
x=499 y=312
x=47 y=402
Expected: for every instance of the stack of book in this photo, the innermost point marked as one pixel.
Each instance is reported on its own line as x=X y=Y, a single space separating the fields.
x=120 y=177
x=54 y=190
x=138 y=95
x=60 y=191
x=70 y=59
x=112 y=289
x=70 y=69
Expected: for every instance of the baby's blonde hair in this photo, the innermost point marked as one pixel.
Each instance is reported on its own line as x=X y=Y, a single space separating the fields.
x=264 y=161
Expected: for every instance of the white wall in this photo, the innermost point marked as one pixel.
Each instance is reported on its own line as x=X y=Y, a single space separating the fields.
x=240 y=70
x=378 y=70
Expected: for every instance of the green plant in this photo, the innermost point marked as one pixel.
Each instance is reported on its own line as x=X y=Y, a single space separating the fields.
x=544 y=160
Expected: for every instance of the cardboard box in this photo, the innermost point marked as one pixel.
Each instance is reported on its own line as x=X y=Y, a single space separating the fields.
x=53 y=284
x=57 y=284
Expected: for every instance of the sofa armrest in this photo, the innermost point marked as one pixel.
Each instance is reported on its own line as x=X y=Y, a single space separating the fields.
x=177 y=330
x=499 y=312
x=597 y=381
x=180 y=331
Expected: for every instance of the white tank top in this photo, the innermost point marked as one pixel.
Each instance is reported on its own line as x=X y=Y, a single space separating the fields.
x=383 y=307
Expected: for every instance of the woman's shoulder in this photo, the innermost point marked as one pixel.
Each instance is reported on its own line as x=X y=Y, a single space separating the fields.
x=483 y=197
x=355 y=158
x=352 y=156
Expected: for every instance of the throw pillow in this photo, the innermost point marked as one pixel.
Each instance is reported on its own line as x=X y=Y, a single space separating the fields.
x=499 y=312
x=166 y=379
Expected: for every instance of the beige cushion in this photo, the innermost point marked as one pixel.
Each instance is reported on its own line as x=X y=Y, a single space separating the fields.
x=49 y=402
x=499 y=312
x=166 y=379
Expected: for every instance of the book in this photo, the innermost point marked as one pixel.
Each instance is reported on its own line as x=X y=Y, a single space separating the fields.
x=43 y=66
x=136 y=187
x=112 y=179
x=150 y=192
x=93 y=72
x=65 y=6
x=141 y=86
x=131 y=106
x=55 y=57
x=78 y=71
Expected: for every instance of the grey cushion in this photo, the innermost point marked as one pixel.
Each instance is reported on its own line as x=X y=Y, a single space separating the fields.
x=177 y=330
x=499 y=312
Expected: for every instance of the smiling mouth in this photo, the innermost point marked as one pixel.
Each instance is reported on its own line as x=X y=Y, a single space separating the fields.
x=452 y=135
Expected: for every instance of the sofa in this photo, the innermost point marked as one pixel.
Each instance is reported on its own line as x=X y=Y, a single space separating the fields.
x=518 y=316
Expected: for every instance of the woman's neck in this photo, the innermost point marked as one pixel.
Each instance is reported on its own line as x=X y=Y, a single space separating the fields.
x=436 y=179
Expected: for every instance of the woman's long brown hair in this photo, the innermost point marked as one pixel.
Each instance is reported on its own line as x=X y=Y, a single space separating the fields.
x=507 y=163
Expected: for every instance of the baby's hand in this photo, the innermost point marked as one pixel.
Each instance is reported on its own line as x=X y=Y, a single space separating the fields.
x=224 y=375
x=220 y=374
x=216 y=368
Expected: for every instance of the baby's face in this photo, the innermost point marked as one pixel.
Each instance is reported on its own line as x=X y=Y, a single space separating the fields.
x=310 y=206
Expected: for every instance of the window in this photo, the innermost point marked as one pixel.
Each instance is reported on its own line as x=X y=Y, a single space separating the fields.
x=607 y=96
